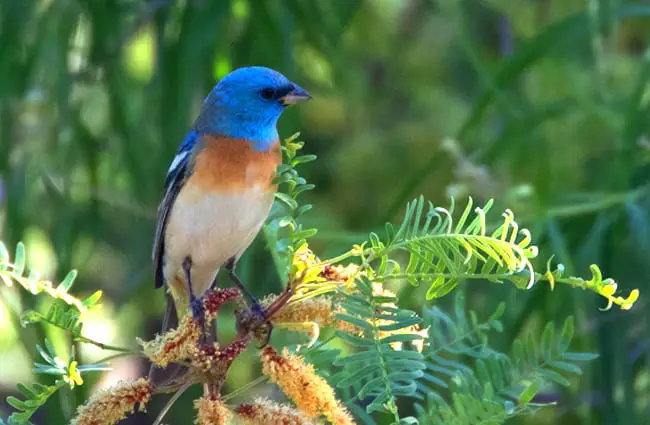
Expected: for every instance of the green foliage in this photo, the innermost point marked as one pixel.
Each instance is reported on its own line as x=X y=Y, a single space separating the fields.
x=453 y=336
x=546 y=100
x=378 y=371
x=65 y=313
x=283 y=232
x=490 y=388
x=36 y=395
x=604 y=287
x=441 y=252
x=58 y=315
x=498 y=386
x=15 y=272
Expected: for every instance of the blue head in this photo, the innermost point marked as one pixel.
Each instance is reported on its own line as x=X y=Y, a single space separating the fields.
x=247 y=103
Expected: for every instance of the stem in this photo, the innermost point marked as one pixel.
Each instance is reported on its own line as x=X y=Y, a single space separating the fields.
x=171 y=402
x=339 y=258
x=238 y=391
x=104 y=346
x=117 y=356
x=433 y=276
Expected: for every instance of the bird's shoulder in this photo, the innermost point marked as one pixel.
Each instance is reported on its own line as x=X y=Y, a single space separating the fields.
x=226 y=164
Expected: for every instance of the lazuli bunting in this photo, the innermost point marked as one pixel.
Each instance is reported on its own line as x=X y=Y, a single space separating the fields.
x=219 y=189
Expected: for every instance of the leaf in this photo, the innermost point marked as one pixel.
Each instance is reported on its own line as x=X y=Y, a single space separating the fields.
x=547 y=341
x=67 y=282
x=93 y=299
x=378 y=372
x=579 y=357
x=527 y=395
x=287 y=200
x=444 y=254
x=19 y=260
x=566 y=336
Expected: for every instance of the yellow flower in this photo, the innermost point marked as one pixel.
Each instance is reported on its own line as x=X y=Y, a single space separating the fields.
x=305 y=266
x=628 y=302
x=299 y=381
x=109 y=406
x=212 y=412
x=74 y=376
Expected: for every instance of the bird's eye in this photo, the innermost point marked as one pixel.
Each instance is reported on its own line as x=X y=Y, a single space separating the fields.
x=267 y=93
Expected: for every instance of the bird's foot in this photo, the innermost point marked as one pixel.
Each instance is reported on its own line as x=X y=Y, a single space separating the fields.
x=198 y=310
x=253 y=321
x=198 y=314
x=264 y=326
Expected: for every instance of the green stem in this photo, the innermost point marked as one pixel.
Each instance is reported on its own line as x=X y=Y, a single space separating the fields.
x=104 y=346
x=339 y=258
x=248 y=386
x=117 y=356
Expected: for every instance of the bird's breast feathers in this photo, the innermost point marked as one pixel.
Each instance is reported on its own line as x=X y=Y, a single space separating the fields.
x=221 y=206
x=227 y=165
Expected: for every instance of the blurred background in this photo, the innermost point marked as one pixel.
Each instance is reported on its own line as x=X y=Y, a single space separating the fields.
x=541 y=104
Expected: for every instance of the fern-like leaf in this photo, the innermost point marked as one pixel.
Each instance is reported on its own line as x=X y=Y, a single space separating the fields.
x=377 y=372
x=36 y=396
x=451 y=336
x=441 y=252
x=495 y=386
x=11 y=272
x=58 y=315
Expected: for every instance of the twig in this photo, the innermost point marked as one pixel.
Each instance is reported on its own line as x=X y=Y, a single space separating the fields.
x=238 y=391
x=104 y=346
x=171 y=402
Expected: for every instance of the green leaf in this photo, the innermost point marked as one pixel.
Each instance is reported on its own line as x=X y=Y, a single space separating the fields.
x=16 y=403
x=287 y=200
x=67 y=282
x=579 y=357
x=553 y=376
x=566 y=367
x=566 y=336
x=531 y=390
x=548 y=338
x=93 y=299
x=305 y=234
x=19 y=260
x=303 y=159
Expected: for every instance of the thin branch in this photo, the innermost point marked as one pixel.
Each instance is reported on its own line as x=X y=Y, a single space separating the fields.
x=171 y=402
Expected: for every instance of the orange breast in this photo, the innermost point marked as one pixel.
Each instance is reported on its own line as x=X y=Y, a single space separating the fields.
x=229 y=165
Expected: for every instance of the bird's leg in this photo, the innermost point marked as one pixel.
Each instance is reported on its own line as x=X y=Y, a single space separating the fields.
x=256 y=307
x=196 y=304
x=230 y=267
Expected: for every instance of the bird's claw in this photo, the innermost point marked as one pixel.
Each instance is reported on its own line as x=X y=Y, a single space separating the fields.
x=263 y=328
x=253 y=321
x=198 y=310
x=198 y=314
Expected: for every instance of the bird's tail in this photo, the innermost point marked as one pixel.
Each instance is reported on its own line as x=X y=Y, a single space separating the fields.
x=174 y=371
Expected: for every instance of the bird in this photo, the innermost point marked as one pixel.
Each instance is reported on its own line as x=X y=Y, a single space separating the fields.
x=219 y=190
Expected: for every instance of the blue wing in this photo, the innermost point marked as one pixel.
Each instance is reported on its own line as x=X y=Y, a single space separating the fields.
x=176 y=176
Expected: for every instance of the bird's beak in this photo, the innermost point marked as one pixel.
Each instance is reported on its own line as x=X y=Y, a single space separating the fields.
x=297 y=94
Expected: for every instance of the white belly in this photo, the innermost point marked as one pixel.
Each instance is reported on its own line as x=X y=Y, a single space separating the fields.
x=211 y=229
